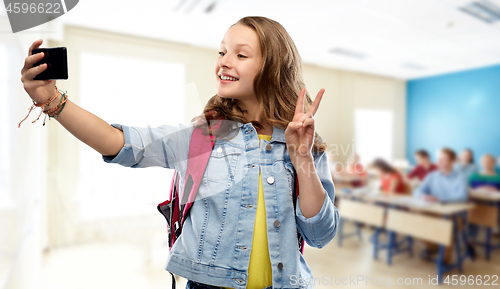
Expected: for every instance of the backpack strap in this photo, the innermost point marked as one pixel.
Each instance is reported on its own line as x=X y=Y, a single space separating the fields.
x=170 y=210
x=200 y=149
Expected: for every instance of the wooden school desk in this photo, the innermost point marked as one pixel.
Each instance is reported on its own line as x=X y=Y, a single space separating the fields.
x=439 y=227
x=360 y=213
x=343 y=193
x=485 y=214
x=403 y=216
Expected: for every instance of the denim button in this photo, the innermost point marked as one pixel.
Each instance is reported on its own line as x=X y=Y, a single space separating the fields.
x=276 y=223
x=219 y=150
x=253 y=165
x=270 y=180
x=280 y=266
x=239 y=281
x=269 y=147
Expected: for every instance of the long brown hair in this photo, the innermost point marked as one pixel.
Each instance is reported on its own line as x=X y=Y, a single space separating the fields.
x=384 y=166
x=276 y=85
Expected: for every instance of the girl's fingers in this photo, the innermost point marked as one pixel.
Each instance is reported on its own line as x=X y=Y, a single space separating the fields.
x=315 y=105
x=30 y=60
x=35 y=45
x=294 y=125
x=299 y=107
x=308 y=122
x=305 y=116
x=34 y=71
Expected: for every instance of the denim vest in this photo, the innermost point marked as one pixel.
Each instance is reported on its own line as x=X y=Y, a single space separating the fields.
x=215 y=244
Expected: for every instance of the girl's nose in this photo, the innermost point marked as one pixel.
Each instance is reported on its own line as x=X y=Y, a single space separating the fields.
x=224 y=62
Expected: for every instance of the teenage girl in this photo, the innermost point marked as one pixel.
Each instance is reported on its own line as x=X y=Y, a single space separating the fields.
x=391 y=181
x=242 y=230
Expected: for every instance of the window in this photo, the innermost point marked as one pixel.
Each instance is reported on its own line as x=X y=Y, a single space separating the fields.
x=373 y=133
x=129 y=91
x=5 y=123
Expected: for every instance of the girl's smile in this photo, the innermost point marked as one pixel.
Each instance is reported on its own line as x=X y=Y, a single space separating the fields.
x=225 y=78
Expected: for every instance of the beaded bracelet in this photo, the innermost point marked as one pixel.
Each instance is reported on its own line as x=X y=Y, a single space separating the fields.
x=55 y=111
x=43 y=105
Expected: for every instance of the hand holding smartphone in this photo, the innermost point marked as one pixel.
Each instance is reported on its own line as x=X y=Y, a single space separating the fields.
x=57 y=63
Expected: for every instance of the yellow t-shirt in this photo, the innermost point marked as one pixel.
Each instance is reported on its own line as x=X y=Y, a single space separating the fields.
x=259 y=268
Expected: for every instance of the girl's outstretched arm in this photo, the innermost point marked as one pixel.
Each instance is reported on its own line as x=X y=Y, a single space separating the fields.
x=91 y=129
x=84 y=125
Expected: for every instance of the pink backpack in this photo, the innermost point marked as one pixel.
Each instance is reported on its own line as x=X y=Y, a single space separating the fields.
x=177 y=206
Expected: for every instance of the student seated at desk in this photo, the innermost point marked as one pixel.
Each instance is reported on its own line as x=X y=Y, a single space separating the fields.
x=443 y=185
x=487 y=180
x=391 y=181
x=424 y=166
x=465 y=163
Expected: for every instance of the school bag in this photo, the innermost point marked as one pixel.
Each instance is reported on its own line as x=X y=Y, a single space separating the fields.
x=177 y=206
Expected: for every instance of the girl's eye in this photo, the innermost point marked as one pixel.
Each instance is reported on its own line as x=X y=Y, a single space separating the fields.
x=241 y=56
x=221 y=53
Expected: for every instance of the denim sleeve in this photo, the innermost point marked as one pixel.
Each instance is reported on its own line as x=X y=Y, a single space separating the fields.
x=164 y=146
x=320 y=229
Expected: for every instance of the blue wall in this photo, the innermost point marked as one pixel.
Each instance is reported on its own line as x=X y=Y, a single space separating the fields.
x=456 y=110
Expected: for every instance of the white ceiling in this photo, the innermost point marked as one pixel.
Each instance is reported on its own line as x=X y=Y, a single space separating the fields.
x=432 y=35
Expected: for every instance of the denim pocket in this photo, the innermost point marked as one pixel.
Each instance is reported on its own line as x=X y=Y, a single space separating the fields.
x=222 y=162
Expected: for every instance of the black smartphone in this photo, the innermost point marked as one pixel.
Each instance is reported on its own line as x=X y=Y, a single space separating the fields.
x=57 y=63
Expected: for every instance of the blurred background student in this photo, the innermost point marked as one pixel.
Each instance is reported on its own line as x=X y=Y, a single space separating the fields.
x=423 y=167
x=443 y=185
x=466 y=163
x=391 y=181
x=486 y=180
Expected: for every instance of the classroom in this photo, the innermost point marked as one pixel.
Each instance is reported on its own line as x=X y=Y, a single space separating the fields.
x=401 y=98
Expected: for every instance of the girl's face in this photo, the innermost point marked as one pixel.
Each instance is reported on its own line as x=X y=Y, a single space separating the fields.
x=238 y=63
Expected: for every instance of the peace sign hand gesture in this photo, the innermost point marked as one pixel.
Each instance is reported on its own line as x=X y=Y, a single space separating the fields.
x=299 y=133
